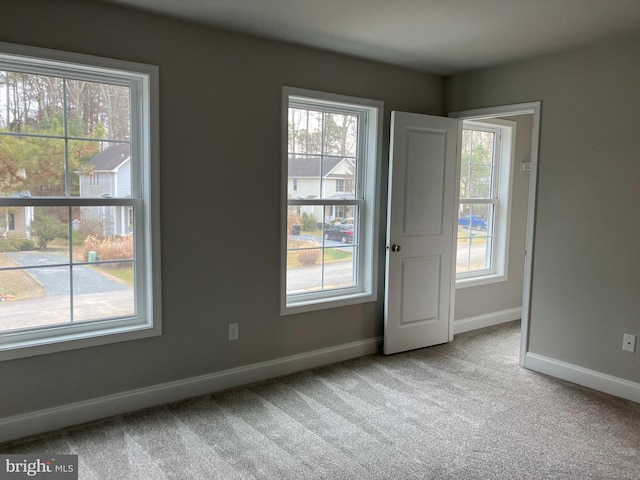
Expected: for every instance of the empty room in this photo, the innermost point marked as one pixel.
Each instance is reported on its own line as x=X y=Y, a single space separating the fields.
x=294 y=239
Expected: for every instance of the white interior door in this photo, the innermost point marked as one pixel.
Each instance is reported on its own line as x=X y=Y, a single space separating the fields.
x=420 y=267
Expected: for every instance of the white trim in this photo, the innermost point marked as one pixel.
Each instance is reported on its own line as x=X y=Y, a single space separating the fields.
x=40 y=421
x=367 y=194
x=486 y=320
x=534 y=108
x=583 y=376
x=500 y=198
x=142 y=79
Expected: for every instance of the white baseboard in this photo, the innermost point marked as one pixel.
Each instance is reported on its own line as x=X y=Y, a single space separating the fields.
x=487 y=320
x=583 y=376
x=40 y=421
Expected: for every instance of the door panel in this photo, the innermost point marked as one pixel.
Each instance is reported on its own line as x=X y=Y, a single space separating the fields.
x=424 y=182
x=420 y=278
x=421 y=211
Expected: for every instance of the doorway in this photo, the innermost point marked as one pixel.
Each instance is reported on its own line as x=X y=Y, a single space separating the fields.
x=484 y=300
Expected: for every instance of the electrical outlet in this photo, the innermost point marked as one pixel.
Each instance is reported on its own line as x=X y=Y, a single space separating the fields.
x=629 y=342
x=234 y=330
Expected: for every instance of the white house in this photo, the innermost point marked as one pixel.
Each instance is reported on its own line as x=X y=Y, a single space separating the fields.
x=330 y=178
x=108 y=174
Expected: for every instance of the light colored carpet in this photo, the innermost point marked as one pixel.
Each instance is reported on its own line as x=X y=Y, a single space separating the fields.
x=464 y=410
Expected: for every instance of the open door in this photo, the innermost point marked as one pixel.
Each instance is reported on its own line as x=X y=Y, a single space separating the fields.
x=420 y=266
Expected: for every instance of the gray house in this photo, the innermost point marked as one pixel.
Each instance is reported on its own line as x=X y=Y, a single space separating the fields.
x=107 y=175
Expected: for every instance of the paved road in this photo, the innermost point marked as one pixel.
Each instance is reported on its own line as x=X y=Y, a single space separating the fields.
x=55 y=309
x=56 y=280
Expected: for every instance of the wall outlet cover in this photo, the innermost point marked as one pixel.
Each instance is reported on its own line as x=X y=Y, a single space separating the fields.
x=629 y=342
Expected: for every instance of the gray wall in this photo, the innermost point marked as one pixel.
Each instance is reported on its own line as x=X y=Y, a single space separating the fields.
x=217 y=90
x=586 y=268
x=486 y=299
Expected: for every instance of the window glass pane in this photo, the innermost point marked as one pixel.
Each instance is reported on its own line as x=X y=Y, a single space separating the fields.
x=103 y=290
x=476 y=174
x=304 y=268
x=99 y=248
x=322 y=154
x=98 y=110
x=479 y=181
x=103 y=221
x=40 y=235
x=339 y=224
x=31 y=103
x=339 y=267
x=310 y=268
x=340 y=135
x=481 y=147
x=462 y=255
x=31 y=166
x=100 y=169
x=305 y=132
x=304 y=179
x=339 y=176
x=33 y=297
x=475 y=237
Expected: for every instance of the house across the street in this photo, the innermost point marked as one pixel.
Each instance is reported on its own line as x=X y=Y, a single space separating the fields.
x=329 y=178
x=107 y=175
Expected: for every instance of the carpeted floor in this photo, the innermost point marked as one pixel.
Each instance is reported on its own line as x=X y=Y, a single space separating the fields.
x=464 y=410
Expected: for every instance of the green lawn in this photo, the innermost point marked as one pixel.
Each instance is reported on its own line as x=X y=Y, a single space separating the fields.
x=330 y=255
x=125 y=274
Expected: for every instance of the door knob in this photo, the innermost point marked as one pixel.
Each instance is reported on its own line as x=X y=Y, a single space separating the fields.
x=395 y=247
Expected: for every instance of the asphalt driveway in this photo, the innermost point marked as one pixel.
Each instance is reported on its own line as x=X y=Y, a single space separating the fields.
x=56 y=280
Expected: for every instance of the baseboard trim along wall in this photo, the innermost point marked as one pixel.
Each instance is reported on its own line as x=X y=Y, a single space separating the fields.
x=583 y=376
x=486 y=320
x=19 y=426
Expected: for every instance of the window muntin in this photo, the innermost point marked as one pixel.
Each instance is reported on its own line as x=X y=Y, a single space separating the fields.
x=485 y=179
x=75 y=160
x=331 y=150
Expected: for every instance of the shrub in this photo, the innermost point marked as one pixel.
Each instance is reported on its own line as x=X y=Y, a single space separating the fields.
x=47 y=228
x=23 y=244
x=309 y=222
x=308 y=257
x=111 y=248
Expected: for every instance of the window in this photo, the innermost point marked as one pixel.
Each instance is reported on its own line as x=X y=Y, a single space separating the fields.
x=483 y=213
x=295 y=184
x=330 y=144
x=73 y=274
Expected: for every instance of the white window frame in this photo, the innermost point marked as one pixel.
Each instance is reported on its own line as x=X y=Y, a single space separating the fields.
x=504 y=151
x=367 y=232
x=143 y=82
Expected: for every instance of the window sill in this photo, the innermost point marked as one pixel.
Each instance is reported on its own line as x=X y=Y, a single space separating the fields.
x=22 y=347
x=480 y=280
x=325 y=303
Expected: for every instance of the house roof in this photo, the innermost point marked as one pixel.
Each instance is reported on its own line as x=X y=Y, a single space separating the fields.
x=111 y=158
x=310 y=166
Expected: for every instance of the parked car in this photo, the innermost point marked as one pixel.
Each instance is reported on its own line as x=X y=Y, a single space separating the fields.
x=473 y=221
x=342 y=233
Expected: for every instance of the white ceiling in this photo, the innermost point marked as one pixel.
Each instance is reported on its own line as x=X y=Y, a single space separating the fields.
x=438 y=36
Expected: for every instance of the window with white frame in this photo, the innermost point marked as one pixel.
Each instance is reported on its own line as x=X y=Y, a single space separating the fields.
x=81 y=267
x=485 y=195
x=330 y=146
